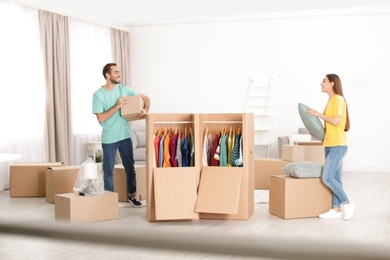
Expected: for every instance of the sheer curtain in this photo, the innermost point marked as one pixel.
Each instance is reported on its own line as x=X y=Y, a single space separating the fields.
x=90 y=50
x=22 y=93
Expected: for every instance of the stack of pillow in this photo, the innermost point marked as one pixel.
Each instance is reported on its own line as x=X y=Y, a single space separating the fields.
x=305 y=169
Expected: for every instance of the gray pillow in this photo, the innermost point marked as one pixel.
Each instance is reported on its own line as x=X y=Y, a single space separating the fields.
x=312 y=123
x=303 y=169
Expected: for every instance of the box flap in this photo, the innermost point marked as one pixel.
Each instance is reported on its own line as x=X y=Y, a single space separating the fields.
x=61 y=168
x=219 y=190
x=48 y=164
x=175 y=193
x=285 y=176
x=309 y=143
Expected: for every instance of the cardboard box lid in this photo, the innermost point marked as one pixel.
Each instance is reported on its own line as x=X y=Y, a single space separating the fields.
x=63 y=168
x=29 y=164
x=175 y=193
x=309 y=143
x=219 y=190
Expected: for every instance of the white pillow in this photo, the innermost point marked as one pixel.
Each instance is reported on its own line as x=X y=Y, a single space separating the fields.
x=298 y=138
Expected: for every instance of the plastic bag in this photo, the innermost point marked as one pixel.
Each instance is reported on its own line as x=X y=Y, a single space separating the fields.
x=89 y=179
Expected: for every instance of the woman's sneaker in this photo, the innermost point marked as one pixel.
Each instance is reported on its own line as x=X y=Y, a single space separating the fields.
x=348 y=210
x=135 y=203
x=331 y=214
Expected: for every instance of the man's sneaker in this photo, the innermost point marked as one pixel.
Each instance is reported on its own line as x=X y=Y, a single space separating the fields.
x=135 y=203
x=331 y=214
x=348 y=210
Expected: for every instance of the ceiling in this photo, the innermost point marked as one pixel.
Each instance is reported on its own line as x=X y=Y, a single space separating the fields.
x=125 y=14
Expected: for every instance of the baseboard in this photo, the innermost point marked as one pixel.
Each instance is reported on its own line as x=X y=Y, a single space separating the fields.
x=367 y=169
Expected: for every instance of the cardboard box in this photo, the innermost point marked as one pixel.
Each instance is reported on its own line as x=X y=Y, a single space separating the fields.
x=29 y=179
x=298 y=198
x=314 y=151
x=265 y=168
x=74 y=208
x=120 y=183
x=132 y=109
x=60 y=180
x=293 y=153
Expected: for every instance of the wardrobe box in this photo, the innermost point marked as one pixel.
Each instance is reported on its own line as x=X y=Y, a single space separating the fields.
x=132 y=109
x=29 y=179
x=298 y=198
x=293 y=153
x=60 y=180
x=199 y=191
x=265 y=168
x=71 y=207
x=314 y=151
x=120 y=183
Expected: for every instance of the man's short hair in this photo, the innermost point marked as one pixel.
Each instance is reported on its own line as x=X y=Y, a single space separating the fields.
x=107 y=68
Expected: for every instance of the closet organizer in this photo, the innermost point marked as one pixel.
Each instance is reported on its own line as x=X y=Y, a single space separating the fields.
x=200 y=189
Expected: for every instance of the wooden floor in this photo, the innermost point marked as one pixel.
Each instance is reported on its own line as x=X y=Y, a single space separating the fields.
x=370 y=225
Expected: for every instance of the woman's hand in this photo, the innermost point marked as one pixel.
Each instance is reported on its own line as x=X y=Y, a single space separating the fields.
x=312 y=112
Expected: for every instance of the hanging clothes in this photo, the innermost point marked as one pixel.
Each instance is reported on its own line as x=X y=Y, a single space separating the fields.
x=186 y=152
x=230 y=146
x=207 y=146
x=167 y=150
x=215 y=162
x=236 y=150
x=192 y=153
x=173 y=150
x=223 y=155
x=161 y=152
x=156 y=142
x=179 y=157
x=239 y=160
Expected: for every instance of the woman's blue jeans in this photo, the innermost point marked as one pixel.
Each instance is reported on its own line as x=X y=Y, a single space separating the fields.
x=125 y=148
x=331 y=174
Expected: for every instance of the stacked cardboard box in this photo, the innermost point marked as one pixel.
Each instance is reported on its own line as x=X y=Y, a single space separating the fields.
x=314 y=151
x=265 y=168
x=298 y=198
x=60 y=180
x=29 y=179
x=120 y=183
x=300 y=151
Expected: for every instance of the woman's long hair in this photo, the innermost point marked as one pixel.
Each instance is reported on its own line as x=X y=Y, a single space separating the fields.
x=338 y=89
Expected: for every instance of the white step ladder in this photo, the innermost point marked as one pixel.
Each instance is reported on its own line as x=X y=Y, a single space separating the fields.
x=259 y=103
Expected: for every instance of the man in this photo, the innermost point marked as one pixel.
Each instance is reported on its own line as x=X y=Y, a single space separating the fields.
x=116 y=130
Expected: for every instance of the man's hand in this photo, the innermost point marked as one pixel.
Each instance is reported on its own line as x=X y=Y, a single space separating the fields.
x=142 y=113
x=122 y=100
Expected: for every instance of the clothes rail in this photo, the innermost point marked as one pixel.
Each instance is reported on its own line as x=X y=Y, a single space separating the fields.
x=222 y=122
x=174 y=122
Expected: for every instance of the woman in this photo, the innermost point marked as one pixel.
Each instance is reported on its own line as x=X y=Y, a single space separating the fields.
x=336 y=121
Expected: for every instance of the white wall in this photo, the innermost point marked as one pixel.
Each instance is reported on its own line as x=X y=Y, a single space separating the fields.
x=204 y=68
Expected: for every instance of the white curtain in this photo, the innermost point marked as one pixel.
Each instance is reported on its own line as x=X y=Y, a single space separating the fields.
x=90 y=50
x=22 y=91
